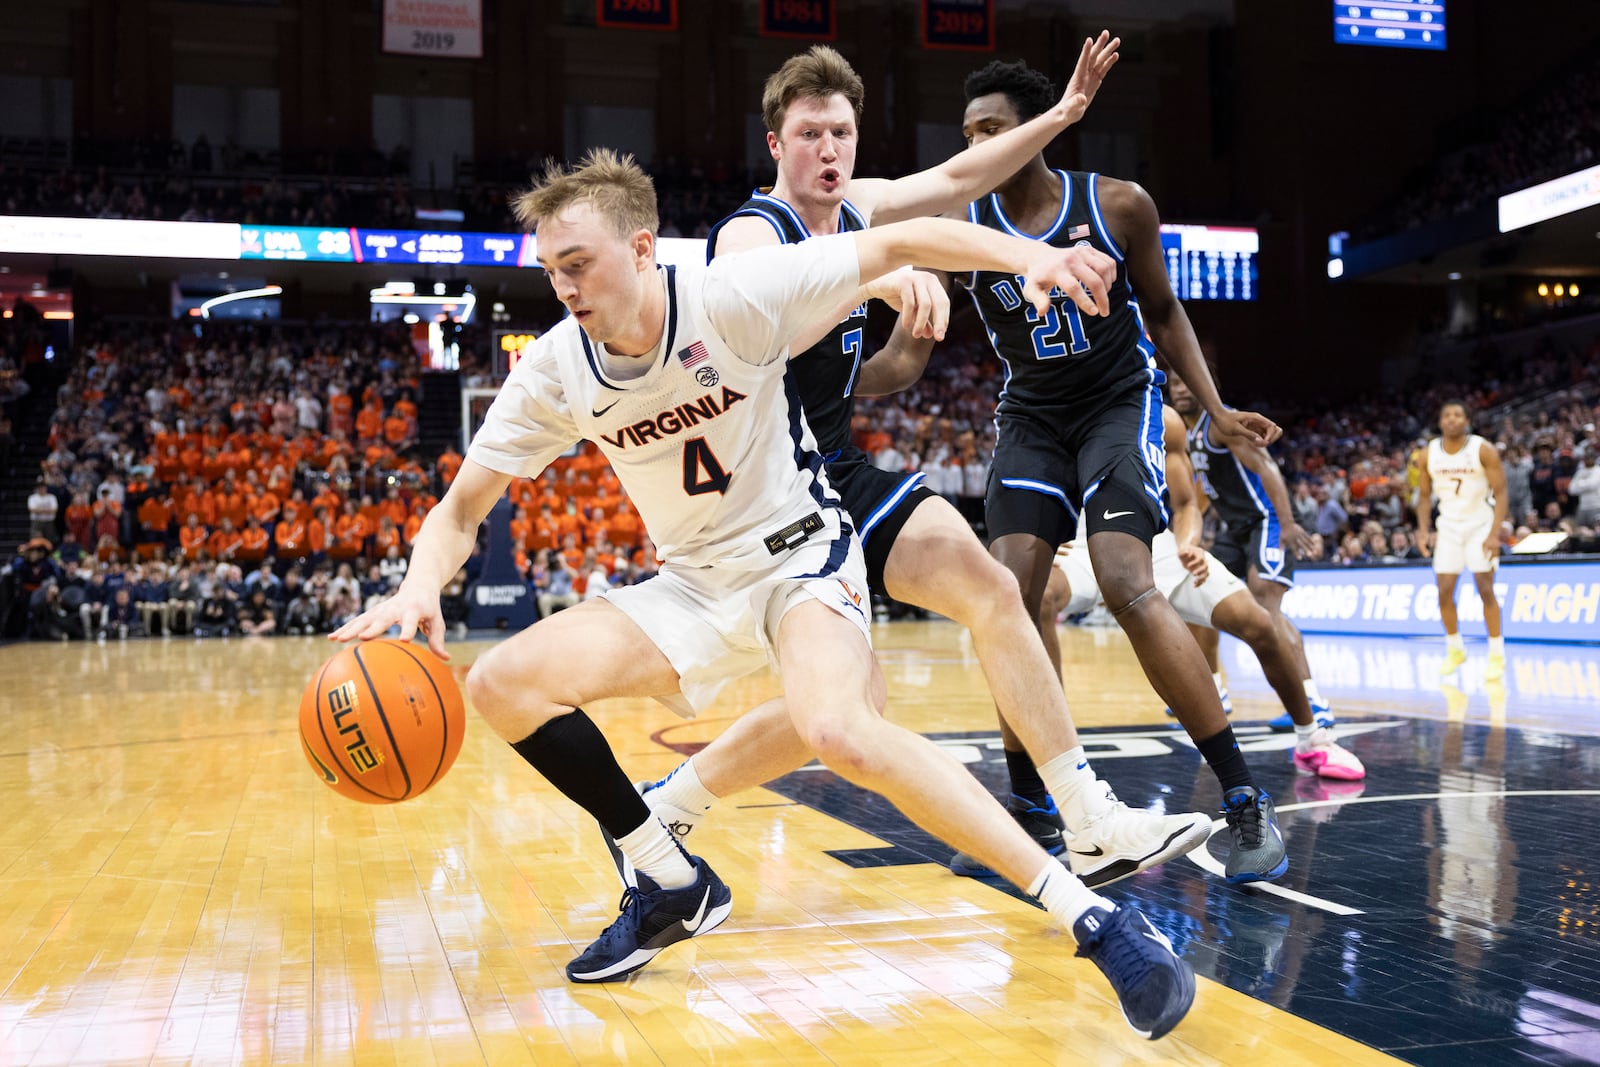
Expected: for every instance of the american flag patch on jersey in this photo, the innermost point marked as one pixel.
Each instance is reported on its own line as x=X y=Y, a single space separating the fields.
x=694 y=355
x=1078 y=233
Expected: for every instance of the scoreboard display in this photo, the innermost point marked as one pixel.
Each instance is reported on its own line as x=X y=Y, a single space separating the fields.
x=1211 y=262
x=1390 y=23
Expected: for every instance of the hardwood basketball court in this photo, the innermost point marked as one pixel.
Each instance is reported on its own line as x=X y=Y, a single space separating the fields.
x=177 y=886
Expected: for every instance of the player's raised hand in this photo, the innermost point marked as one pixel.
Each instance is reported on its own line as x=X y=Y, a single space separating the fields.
x=411 y=608
x=1095 y=61
x=1246 y=426
x=1084 y=274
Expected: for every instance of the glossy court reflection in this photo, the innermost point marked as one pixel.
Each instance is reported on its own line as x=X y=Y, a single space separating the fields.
x=177 y=888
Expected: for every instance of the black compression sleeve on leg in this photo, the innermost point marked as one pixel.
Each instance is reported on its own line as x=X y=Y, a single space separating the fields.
x=1221 y=751
x=574 y=755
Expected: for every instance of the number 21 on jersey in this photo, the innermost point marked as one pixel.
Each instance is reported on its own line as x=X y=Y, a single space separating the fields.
x=1048 y=342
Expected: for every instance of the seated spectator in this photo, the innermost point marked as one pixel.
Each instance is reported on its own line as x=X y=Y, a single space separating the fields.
x=258 y=616
x=559 y=593
x=122 y=616
x=183 y=601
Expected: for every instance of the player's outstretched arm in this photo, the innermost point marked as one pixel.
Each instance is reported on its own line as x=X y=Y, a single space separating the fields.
x=442 y=546
x=1136 y=226
x=964 y=177
x=1083 y=274
x=896 y=366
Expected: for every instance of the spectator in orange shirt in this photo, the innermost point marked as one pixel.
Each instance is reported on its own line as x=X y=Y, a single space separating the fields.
x=406 y=406
x=291 y=538
x=192 y=538
x=327 y=497
x=155 y=519
x=572 y=555
x=393 y=506
x=419 y=512
x=319 y=534
x=296 y=508
x=341 y=411
x=449 y=464
x=387 y=537
x=168 y=465
x=544 y=530
x=521 y=529
x=265 y=507
x=226 y=541
x=230 y=500
x=400 y=432
x=369 y=423
x=253 y=543
x=377 y=455
x=624 y=526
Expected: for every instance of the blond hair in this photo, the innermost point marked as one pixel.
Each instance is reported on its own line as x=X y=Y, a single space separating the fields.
x=609 y=181
x=818 y=73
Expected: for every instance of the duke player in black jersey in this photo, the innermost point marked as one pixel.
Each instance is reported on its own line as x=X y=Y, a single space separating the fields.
x=918 y=548
x=1080 y=428
x=1260 y=539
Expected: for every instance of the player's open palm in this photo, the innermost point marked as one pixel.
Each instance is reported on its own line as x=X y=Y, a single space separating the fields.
x=1095 y=61
x=1083 y=274
x=412 y=608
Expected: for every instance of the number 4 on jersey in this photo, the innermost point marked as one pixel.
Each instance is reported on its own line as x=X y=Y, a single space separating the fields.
x=698 y=459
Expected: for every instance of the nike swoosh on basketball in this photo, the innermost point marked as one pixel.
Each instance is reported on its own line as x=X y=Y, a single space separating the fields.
x=1114 y=514
x=692 y=925
x=608 y=407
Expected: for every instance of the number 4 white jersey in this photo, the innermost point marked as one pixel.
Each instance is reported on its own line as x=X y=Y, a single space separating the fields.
x=1459 y=481
x=708 y=442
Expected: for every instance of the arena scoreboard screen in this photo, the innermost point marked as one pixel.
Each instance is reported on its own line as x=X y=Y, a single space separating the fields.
x=1391 y=23
x=1211 y=262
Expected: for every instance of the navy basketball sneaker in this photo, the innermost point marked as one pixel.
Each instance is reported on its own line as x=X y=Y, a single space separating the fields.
x=653 y=918
x=1153 y=984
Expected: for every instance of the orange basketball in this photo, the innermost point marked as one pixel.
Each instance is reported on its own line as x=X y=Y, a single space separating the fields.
x=382 y=721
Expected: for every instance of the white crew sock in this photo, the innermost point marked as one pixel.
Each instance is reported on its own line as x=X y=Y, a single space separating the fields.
x=1063 y=896
x=1081 y=797
x=1453 y=643
x=1497 y=646
x=1313 y=694
x=684 y=791
x=1302 y=735
x=652 y=851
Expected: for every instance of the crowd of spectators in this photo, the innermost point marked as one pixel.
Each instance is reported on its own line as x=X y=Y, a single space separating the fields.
x=188 y=469
x=1555 y=132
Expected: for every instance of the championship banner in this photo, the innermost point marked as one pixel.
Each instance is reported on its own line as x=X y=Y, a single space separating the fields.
x=1538 y=601
x=809 y=19
x=961 y=24
x=450 y=29
x=636 y=14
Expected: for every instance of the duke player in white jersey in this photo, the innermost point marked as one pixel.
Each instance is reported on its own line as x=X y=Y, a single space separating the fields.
x=1206 y=594
x=679 y=376
x=1464 y=472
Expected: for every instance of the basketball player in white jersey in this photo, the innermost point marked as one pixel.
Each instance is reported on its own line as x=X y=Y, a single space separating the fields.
x=1205 y=594
x=1464 y=472
x=678 y=374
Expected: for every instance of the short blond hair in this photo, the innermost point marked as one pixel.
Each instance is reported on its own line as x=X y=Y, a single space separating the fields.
x=818 y=73
x=609 y=181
